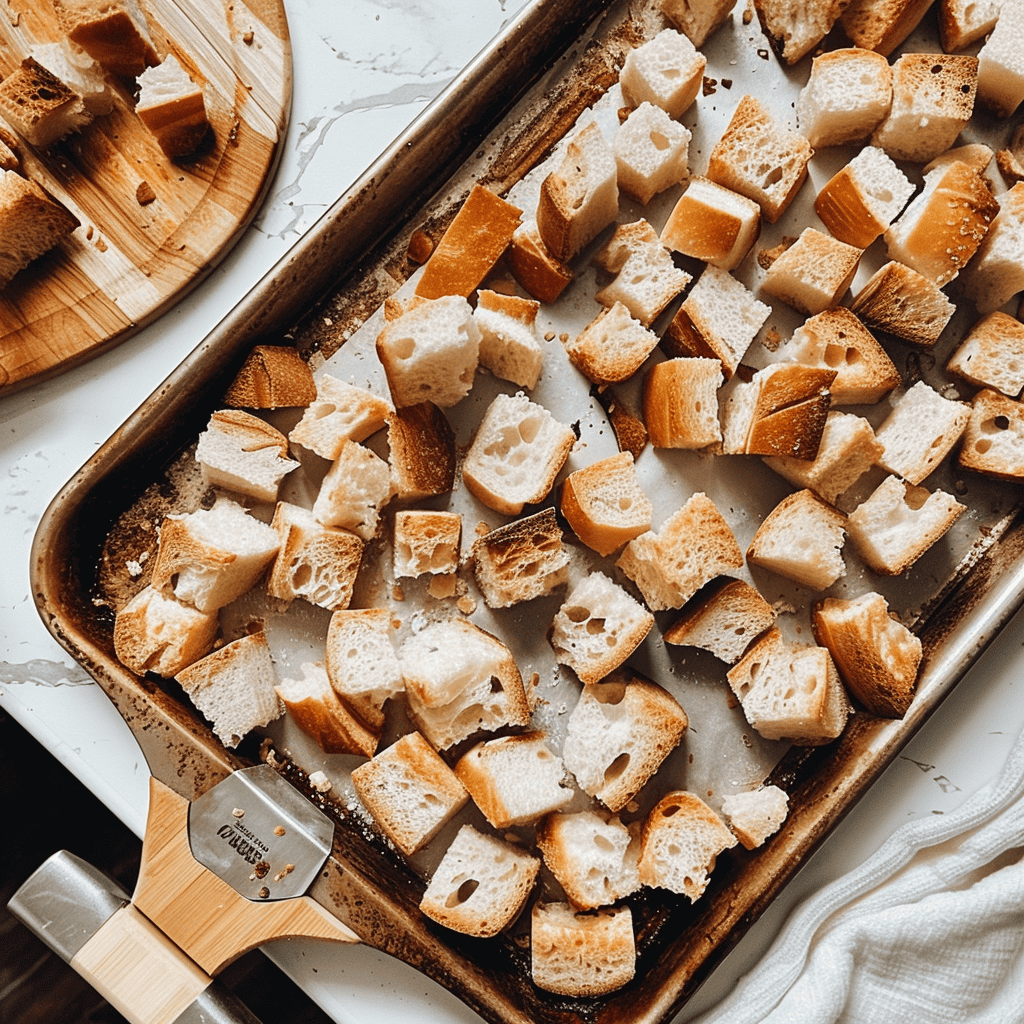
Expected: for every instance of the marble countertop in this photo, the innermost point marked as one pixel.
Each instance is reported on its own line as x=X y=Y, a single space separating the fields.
x=363 y=71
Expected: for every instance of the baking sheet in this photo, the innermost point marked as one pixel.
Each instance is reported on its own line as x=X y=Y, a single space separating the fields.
x=678 y=943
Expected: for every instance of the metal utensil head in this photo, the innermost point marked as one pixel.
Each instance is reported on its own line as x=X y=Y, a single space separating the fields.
x=259 y=834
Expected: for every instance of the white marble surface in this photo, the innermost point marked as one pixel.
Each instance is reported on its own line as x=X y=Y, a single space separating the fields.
x=363 y=70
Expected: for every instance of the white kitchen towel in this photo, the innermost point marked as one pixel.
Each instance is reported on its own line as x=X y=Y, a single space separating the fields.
x=929 y=930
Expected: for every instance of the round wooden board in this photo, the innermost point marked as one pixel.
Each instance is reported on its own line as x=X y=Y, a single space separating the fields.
x=129 y=260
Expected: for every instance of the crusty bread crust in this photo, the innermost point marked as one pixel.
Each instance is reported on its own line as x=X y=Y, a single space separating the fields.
x=272 y=377
x=538 y=270
x=680 y=402
x=31 y=223
x=421 y=443
x=900 y=301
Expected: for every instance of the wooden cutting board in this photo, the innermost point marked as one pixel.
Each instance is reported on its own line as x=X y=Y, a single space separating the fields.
x=131 y=259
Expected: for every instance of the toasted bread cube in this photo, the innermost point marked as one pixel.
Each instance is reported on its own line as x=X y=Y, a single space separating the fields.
x=426 y=542
x=580 y=197
x=410 y=792
x=722 y=618
x=693 y=546
x=612 y=347
x=712 y=223
x=992 y=355
x=795 y=29
x=521 y=560
x=697 y=18
x=172 y=106
x=619 y=734
x=537 y=269
x=114 y=34
x=354 y=491
x=681 y=404
x=898 y=523
x=1000 y=66
x=761 y=159
x=881 y=25
x=718 y=319
x=340 y=412
x=993 y=442
x=39 y=106
x=514 y=780
x=863 y=197
x=790 y=692
x=680 y=843
x=996 y=273
x=835 y=339
x=481 y=884
x=272 y=377
x=932 y=101
x=646 y=280
x=755 y=814
x=814 y=273
x=877 y=656
x=421 y=449
x=667 y=71
x=598 y=627
x=801 y=539
x=605 y=504
x=580 y=954
x=846 y=97
x=900 y=301
x=651 y=152
x=509 y=346
x=964 y=22
x=314 y=562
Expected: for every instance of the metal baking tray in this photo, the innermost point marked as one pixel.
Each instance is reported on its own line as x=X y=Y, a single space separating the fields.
x=497 y=123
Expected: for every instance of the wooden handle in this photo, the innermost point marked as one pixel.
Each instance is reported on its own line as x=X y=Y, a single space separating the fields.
x=200 y=912
x=139 y=971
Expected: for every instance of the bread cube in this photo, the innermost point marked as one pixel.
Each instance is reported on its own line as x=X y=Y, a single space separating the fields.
x=426 y=542
x=538 y=270
x=39 y=106
x=790 y=692
x=172 y=106
x=993 y=442
x=922 y=427
x=361 y=662
x=667 y=71
x=718 y=319
x=680 y=402
x=760 y=158
x=514 y=780
x=240 y=452
x=354 y=491
x=234 y=687
x=898 y=523
x=209 y=557
x=877 y=656
x=410 y=792
x=755 y=814
x=694 y=545
x=681 y=840
x=474 y=241
x=314 y=562
x=697 y=18
x=945 y=223
x=847 y=95
x=900 y=301
x=579 y=954
x=272 y=377
x=592 y=855
x=646 y=280
x=932 y=101
x=863 y=197
x=521 y=560
x=340 y=412
x=964 y=22
x=881 y=25
x=612 y=347
x=459 y=680
x=421 y=451
x=712 y=223
x=605 y=504
x=518 y=450
x=992 y=355
x=430 y=350
x=801 y=539
x=835 y=339
x=1001 y=64
x=580 y=197
x=722 y=618
x=481 y=884
x=316 y=709
x=598 y=626
x=812 y=274
x=114 y=34
x=618 y=735
x=154 y=632
x=651 y=152
x=794 y=29
x=509 y=346
x=848 y=449
x=996 y=273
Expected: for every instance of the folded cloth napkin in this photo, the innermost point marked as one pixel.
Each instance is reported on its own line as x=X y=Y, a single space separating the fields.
x=928 y=930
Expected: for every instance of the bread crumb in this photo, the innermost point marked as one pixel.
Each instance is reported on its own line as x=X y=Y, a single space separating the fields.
x=248 y=37
x=397 y=593
x=442 y=585
x=238 y=812
x=101 y=245
x=279 y=830
x=420 y=246
x=710 y=86
x=320 y=782
x=772 y=339
x=144 y=194
x=466 y=604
